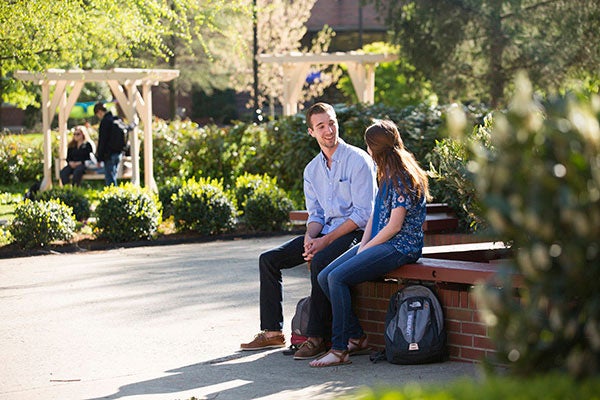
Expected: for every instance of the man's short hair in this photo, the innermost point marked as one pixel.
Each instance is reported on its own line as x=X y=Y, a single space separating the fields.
x=99 y=107
x=318 y=108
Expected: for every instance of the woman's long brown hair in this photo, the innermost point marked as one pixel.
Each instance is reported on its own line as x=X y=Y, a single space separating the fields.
x=394 y=161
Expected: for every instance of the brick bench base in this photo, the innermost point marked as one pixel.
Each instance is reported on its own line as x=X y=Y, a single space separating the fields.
x=468 y=338
x=452 y=280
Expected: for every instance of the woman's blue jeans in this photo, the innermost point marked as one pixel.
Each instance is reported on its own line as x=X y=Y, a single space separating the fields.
x=348 y=270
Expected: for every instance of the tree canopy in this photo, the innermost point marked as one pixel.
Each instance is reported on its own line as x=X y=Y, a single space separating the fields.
x=471 y=49
x=209 y=41
x=88 y=34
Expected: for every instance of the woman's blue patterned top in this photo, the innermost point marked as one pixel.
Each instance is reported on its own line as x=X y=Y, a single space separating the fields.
x=409 y=240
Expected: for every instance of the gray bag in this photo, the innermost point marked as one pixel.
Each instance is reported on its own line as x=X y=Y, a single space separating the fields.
x=414 y=327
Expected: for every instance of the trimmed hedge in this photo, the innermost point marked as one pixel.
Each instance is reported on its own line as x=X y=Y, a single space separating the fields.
x=204 y=207
x=127 y=213
x=74 y=197
x=39 y=223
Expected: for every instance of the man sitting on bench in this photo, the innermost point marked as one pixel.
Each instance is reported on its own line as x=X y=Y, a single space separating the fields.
x=339 y=188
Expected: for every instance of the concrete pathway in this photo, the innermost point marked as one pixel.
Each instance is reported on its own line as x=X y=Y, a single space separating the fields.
x=163 y=322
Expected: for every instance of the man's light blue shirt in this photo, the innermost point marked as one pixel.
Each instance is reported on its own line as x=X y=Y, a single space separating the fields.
x=346 y=191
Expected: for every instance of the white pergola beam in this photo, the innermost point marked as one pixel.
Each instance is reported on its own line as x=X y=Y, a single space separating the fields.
x=137 y=76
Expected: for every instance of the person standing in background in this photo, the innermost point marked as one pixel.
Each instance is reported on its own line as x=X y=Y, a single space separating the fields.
x=110 y=147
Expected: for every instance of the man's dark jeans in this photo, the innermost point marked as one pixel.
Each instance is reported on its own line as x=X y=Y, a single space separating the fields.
x=289 y=255
x=111 y=165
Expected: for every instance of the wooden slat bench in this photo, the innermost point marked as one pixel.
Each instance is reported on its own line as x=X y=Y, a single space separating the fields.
x=123 y=171
x=440 y=218
x=453 y=280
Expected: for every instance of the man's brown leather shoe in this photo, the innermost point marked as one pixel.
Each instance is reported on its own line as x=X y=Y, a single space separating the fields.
x=309 y=350
x=261 y=341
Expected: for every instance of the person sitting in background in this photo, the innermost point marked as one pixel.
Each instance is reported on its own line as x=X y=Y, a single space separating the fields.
x=79 y=150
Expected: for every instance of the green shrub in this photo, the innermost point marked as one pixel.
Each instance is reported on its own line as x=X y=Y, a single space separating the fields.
x=451 y=180
x=170 y=148
x=279 y=148
x=246 y=184
x=166 y=193
x=282 y=148
x=5 y=236
x=203 y=206
x=10 y=198
x=38 y=223
x=72 y=196
x=539 y=184
x=547 y=387
x=267 y=209
x=19 y=161
x=127 y=213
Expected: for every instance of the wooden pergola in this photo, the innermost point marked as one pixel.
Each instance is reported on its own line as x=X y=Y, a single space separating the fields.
x=123 y=83
x=361 y=68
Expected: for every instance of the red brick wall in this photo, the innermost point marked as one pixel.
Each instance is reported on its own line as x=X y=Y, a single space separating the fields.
x=441 y=239
x=12 y=117
x=468 y=338
x=343 y=15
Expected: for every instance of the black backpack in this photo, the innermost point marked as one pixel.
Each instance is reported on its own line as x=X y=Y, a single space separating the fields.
x=120 y=135
x=414 y=327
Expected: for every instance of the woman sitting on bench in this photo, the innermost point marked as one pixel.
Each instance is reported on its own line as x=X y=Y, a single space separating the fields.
x=78 y=152
x=393 y=237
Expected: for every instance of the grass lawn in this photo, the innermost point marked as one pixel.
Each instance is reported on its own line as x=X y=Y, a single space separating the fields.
x=10 y=196
x=32 y=139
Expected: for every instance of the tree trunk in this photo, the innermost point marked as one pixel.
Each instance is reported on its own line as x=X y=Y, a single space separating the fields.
x=1 y=101
x=172 y=93
x=497 y=42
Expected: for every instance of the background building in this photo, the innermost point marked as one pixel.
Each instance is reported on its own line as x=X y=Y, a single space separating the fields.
x=355 y=25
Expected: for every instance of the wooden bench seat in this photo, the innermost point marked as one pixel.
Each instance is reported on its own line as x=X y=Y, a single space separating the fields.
x=474 y=251
x=448 y=271
x=467 y=263
x=124 y=171
x=439 y=218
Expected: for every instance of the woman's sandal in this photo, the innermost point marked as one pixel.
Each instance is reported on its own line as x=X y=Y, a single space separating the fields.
x=357 y=347
x=342 y=356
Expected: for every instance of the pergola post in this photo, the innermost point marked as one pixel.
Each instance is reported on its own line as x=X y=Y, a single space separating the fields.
x=148 y=150
x=294 y=75
x=363 y=81
x=47 y=116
